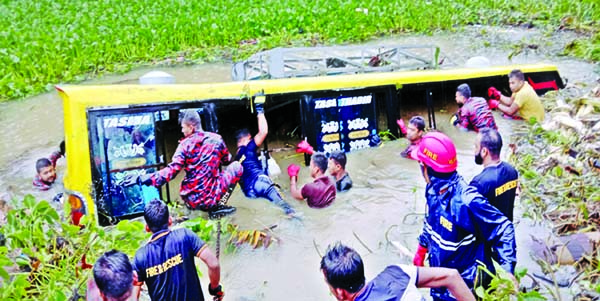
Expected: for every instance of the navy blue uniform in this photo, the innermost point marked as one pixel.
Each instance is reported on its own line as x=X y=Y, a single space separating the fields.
x=255 y=182
x=395 y=283
x=498 y=184
x=460 y=230
x=166 y=265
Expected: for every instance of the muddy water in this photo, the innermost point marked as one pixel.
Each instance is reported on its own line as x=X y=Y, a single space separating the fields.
x=388 y=192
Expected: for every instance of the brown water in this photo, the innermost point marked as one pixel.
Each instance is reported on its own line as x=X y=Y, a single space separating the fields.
x=387 y=194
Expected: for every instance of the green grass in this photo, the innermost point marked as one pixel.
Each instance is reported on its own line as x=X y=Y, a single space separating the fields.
x=46 y=42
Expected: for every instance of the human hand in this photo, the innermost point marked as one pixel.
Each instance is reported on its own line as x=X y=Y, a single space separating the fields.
x=131 y=180
x=259 y=103
x=454 y=120
x=61 y=148
x=493 y=104
x=304 y=147
x=216 y=292
x=419 y=259
x=293 y=170
x=494 y=94
x=402 y=126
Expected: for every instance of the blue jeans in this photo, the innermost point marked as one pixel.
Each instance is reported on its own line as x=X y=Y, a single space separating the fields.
x=264 y=188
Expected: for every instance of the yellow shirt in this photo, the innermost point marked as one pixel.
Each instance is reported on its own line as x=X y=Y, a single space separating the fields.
x=529 y=103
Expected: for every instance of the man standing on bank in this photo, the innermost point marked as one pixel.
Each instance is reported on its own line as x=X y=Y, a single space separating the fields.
x=201 y=154
x=166 y=262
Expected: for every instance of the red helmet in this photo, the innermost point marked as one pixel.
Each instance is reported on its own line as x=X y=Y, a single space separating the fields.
x=437 y=151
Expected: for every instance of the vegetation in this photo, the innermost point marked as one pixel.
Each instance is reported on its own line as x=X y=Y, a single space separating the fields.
x=48 y=42
x=43 y=257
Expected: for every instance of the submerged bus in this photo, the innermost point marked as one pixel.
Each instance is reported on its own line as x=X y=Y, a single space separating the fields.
x=112 y=131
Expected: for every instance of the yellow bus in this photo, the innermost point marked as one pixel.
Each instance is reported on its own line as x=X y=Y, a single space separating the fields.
x=115 y=130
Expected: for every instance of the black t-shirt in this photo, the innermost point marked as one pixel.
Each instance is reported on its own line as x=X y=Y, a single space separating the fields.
x=251 y=163
x=344 y=184
x=498 y=183
x=166 y=265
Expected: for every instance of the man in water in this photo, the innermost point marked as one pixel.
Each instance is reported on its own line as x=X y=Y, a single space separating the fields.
x=255 y=182
x=461 y=227
x=321 y=192
x=337 y=169
x=344 y=273
x=46 y=169
x=499 y=180
x=200 y=154
x=414 y=132
x=473 y=112
x=523 y=101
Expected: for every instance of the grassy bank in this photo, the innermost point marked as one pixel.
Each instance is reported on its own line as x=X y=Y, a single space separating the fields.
x=47 y=42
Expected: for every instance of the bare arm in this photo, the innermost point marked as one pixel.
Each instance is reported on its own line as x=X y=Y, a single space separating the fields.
x=135 y=293
x=212 y=262
x=296 y=193
x=444 y=277
x=506 y=100
x=263 y=129
x=509 y=110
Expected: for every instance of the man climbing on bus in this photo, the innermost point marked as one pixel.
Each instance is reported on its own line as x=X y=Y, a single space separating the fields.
x=523 y=101
x=473 y=112
x=255 y=181
x=201 y=154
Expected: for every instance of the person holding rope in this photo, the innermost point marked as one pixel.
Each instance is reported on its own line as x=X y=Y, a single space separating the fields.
x=166 y=262
x=201 y=154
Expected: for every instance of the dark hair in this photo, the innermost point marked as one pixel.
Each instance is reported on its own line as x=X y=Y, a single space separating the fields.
x=320 y=161
x=418 y=122
x=42 y=163
x=518 y=74
x=113 y=274
x=491 y=139
x=343 y=268
x=239 y=134
x=464 y=90
x=156 y=215
x=339 y=157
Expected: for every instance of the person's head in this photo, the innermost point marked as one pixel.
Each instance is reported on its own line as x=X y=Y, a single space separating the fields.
x=337 y=163
x=415 y=128
x=516 y=80
x=463 y=93
x=243 y=137
x=343 y=270
x=487 y=146
x=318 y=164
x=45 y=170
x=190 y=122
x=437 y=156
x=156 y=215
x=113 y=275
x=136 y=136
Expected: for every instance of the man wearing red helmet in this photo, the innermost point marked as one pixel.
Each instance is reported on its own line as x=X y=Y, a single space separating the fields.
x=460 y=222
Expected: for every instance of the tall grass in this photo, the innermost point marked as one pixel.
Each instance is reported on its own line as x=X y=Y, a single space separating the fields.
x=43 y=42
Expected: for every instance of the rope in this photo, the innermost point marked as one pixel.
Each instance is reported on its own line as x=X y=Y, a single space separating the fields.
x=218 y=238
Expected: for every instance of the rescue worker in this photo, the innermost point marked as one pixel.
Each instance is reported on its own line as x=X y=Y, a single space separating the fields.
x=113 y=278
x=344 y=273
x=460 y=223
x=201 y=154
x=473 y=112
x=255 y=181
x=321 y=192
x=166 y=263
x=414 y=132
x=523 y=101
x=499 y=180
